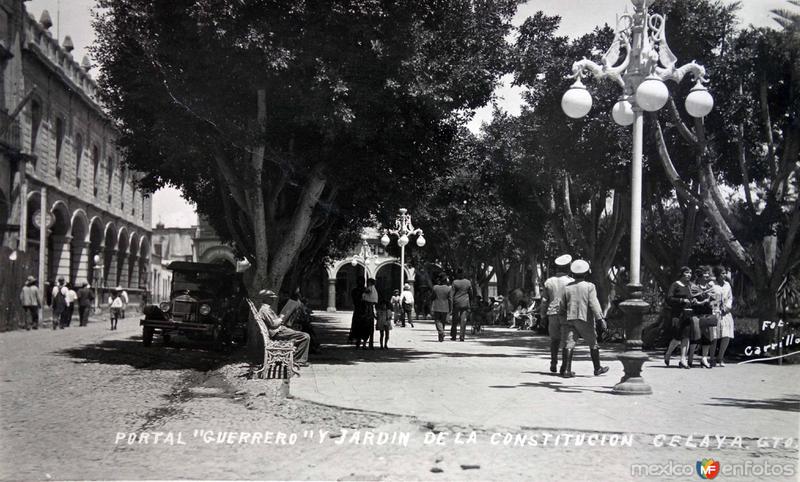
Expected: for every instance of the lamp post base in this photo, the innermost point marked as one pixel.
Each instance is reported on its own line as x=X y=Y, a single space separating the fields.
x=632 y=382
x=633 y=358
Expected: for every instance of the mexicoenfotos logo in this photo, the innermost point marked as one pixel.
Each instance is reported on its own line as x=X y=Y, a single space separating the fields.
x=707 y=468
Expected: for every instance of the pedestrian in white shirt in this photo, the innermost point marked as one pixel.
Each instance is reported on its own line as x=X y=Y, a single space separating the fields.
x=72 y=297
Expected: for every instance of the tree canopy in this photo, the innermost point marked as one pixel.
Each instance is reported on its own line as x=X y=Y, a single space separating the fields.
x=290 y=123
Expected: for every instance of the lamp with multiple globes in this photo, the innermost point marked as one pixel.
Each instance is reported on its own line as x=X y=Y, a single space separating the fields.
x=403 y=229
x=364 y=255
x=639 y=60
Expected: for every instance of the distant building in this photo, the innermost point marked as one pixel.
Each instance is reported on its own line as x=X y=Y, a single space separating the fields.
x=60 y=168
x=198 y=243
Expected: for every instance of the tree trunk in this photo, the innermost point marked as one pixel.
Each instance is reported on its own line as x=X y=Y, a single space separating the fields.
x=298 y=230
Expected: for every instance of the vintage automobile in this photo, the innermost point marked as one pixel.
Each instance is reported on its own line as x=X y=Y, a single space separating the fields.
x=207 y=301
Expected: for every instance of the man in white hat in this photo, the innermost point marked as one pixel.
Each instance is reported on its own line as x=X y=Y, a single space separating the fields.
x=581 y=308
x=277 y=330
x=551 y=299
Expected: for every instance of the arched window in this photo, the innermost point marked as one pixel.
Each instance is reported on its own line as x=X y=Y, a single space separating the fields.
x=36 y=122
x=110 y=174
x=96 y=166
x=134 y=191
x=78 y=158
x=123 y=178
x=60 y=131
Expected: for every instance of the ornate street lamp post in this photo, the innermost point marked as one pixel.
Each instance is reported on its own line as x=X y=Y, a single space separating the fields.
x=403 y=229
x=639 y=60
x=364 y=255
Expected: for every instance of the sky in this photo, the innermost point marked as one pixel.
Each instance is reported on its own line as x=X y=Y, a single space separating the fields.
x=73 y=18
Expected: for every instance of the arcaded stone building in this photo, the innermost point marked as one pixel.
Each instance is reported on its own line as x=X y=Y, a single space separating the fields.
x=59 y=165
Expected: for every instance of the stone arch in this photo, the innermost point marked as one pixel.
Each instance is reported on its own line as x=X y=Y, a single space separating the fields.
x=144 y=262
x=62 y=218
x=347 y=278
x=80 y=224
x=133 y=259
x=96 y=245
x=110 y=236
x=219 y=254
x=59 y=246
x=409 y=275
x=123 y=239
x=144 y=247
x=387 y=277
x=79 y=250
x=123 y=244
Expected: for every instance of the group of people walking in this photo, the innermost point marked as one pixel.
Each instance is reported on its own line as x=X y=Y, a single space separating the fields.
x=64 y=299
x=700 y=315
x=370 y=314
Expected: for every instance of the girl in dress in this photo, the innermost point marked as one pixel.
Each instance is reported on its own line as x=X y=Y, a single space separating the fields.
x=384 y=324
x=396 y=307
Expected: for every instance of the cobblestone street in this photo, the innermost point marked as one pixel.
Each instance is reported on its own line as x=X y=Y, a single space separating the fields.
x=68 y=393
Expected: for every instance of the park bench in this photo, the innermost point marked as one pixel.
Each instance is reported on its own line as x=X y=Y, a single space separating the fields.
x=278 y=355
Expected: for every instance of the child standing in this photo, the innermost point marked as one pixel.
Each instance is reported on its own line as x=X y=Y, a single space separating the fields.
x=116 y=304
x=384 y=323
x=396 y=307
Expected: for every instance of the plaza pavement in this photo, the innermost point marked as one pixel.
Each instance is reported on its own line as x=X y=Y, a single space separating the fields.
x=501 y=378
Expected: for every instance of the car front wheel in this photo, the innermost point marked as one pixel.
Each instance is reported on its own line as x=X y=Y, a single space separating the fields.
x=147 y=336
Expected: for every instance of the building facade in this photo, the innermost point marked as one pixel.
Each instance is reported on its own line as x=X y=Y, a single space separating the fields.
x=198 y=243
x=68 y=202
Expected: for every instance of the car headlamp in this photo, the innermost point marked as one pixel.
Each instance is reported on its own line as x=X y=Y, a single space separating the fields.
x=164 y=305
x=205 y=309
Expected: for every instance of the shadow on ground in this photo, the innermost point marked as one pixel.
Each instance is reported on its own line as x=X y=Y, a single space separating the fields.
x=336 y=350
x=785 y=404
x=181 y=354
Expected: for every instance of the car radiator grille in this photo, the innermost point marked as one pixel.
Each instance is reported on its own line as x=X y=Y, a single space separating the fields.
x=182 y=310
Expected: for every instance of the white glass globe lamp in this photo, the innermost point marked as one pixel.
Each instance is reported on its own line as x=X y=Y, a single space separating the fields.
x=577 y=101
x=699 y=101
x=652 y=94
x=622 y=112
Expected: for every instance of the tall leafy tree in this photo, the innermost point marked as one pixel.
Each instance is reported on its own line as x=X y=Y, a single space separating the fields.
x=289 y=123
x=748 y=144
x=466 y=221
x=580 y=166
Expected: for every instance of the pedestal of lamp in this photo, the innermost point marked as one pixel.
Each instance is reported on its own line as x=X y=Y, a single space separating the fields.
x=633 y=358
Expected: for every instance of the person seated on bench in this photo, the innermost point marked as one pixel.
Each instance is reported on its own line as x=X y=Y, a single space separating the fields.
x=297 y=316
x=277 y=331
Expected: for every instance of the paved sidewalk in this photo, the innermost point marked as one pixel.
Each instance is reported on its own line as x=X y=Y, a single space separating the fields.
x=501 y=378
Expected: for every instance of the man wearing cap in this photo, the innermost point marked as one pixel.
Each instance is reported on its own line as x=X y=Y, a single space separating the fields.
x=277 y=331
x=31 y=300
x=551 y=298
x=581 y=308
x=85 y=302
x=59 y=304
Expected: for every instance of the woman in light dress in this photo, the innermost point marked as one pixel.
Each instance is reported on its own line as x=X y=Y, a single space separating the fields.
x=725 y=326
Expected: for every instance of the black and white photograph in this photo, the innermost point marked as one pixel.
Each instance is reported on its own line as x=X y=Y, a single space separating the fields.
x=400 y=240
